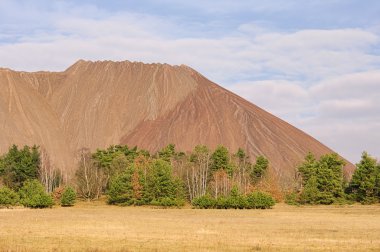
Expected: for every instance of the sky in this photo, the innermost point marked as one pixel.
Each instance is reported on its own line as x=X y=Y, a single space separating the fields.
x=315 y=64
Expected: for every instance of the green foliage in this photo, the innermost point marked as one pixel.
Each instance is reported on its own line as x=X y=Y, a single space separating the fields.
x=161 y=183
x=236 y=200
x=200 y=154
x=322 y=180
x=292 y=199
x=260 y=200
x=311 y=193
x=19 y=165
x=68 y=197
x=127 y=187
x=32 y=194
x=259 y=168
x=241 y=155
x=156 y=187
x=308 y=168
x=117 y=157
x=221 y=160
x=364 y=186
x=330 y=178
x=119 y=164
x=167 y=153
x=204 y=202
x=8 y=197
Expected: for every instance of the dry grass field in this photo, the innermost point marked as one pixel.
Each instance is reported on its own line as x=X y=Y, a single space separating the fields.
x=98 y=227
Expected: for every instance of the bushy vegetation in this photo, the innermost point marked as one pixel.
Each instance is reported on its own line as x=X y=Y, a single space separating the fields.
x=8 y=197
x=32 y=194
x=321 y=181
x=204 y=178
x=19 y=165
x=292 y=199
x=260 y=200
x=169 y=178
x=153 y=185
x=68 y=197
x=236 y=200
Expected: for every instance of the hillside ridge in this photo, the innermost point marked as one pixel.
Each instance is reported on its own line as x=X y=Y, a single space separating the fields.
x=94 y=104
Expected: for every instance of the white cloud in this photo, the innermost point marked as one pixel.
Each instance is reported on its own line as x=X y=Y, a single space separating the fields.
x=324 y=81
x=284 y=98
x=342 y=112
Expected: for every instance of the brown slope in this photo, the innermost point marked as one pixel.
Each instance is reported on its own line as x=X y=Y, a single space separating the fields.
x=99 y=102
x=212 y=115
x=27 y=118
x=96 y=104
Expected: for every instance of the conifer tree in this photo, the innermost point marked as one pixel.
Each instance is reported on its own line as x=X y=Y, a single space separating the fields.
x=221 y=160
x=364 y=186
x=68 y=197
x=19 y=165
x=322 y=180
x=259 y=169
x=32 y=194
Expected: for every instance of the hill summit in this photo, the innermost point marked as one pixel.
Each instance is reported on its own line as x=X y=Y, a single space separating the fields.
x=96 y=104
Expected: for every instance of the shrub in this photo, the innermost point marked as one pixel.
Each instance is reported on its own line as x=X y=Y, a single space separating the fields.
x=68 y=197
x=236 y=199
x=260 y=200
x=33 y=195
x=292 y=199
x=236 y=202
x=204 y=202
x=8 y=197
x=221 y=202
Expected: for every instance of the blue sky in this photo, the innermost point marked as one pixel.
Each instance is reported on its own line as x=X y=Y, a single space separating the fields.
x=315 y=64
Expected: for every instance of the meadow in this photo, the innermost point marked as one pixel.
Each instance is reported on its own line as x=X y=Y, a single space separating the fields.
x=96 y=226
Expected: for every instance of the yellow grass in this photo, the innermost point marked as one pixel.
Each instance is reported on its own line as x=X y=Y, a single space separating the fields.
x=98 y=227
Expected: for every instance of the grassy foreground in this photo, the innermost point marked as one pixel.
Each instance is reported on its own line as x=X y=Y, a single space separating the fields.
x=98 y=227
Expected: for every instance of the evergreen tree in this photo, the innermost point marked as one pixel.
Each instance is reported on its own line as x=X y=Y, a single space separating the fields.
x=259 y=169
x=308 y=168
x=241 y=155
x=32 y=194
x=8 y=197
x=167 y=153
x=310 y=193
x=68 y=197
x=330 y=178
x=126 y=188
x=221 y=160
x=19 y=165
x=322 y=179
x=364 y=185
x=161 y=186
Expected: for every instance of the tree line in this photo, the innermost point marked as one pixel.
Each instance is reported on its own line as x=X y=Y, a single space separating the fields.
x=204 y=178
x=27 y=179
x=321 y=181
x=130 y=176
